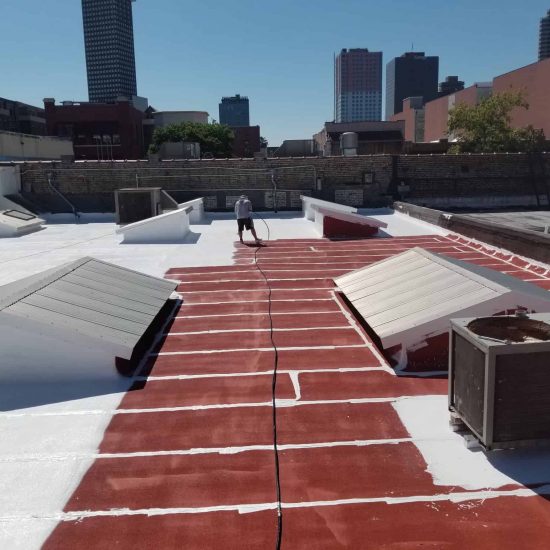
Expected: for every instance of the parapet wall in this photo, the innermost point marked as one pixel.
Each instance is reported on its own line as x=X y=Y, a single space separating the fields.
x=445 y=181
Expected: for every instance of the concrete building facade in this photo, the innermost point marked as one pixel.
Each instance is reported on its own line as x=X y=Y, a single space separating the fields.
x=544 y=37
x=165 y=118
x=99 y=131
x=413 y=116
x=296 y=148
x=412 y=75
x=450 y=86
x=437 y=111
x=246 y=141
x=21 y=118
x=235 y=111
x=23 y=147
x=534 y=82
x=375 y=137
x=109 y=44
x=357 y=86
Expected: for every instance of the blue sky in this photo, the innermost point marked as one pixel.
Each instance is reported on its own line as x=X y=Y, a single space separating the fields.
x=280 y=54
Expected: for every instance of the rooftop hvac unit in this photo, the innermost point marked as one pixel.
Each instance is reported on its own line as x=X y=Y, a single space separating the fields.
x=136 y=204
x=349 y=143
x=499 y=379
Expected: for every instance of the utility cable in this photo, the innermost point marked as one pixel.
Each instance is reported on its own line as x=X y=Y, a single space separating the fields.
x=273 y=396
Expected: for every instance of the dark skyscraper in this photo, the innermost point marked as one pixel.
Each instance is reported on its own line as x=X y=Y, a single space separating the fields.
x=450 y=86
x=411 y=75
x=235 y=111
x=544 y=37
x=109 y=42
x=357 y=85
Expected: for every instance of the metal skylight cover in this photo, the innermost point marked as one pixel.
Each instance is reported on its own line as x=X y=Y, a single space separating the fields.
x=99 y=308
x=17 y=214
x=415 y=293
x=14 y=223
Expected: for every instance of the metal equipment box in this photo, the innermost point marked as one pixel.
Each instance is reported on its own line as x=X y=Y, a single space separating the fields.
x=136 y=204
x=499 y=379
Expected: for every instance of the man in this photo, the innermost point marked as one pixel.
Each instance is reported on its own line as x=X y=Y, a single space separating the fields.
x=243 y=211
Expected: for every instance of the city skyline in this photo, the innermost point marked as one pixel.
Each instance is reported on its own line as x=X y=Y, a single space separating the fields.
x=413 y=74
x=189 y=59
x=234 y=111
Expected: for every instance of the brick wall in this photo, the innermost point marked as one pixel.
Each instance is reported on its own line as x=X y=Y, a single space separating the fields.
x=363 y=181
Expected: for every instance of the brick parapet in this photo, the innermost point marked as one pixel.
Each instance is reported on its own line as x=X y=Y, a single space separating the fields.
x=374 y=177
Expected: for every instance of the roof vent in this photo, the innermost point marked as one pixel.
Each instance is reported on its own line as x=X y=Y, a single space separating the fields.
x=14 y=223
x=408 y=300
x=78 y=322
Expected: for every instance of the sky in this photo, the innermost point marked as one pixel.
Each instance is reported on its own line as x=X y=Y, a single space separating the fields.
x=279 y=54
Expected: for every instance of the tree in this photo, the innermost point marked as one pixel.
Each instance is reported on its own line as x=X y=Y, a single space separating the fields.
x=214 y=138
x=486 y=127
x=263 y=142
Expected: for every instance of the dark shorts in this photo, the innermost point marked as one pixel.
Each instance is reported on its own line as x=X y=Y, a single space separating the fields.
x=245 y=222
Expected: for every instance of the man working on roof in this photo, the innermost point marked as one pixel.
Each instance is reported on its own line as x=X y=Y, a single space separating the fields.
x=243 y=211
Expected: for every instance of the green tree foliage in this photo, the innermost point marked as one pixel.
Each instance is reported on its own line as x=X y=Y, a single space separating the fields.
x=215 y=139
x=486 y=127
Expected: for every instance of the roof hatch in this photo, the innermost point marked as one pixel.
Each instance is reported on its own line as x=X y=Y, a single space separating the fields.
x=411 y=297
x=77 y=321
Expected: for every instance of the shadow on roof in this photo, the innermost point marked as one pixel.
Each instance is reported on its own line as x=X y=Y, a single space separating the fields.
x=529 y=467
x=190 y=238
x=24 y=395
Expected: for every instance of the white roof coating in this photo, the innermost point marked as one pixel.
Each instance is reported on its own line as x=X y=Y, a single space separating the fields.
x=413 y=295
x=209 y=243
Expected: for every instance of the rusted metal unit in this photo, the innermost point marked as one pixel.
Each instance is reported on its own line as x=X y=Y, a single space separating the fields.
x=499 y=379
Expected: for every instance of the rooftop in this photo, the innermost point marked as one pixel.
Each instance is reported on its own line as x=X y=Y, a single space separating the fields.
x=182 y=456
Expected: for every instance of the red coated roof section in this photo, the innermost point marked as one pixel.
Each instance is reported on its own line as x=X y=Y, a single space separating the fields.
x=186 y=453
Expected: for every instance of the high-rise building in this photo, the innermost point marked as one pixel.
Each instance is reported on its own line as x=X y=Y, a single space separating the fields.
x=109 y=42
x=450 y=86
x=357 y=85
x=235 y=111
x=411 y=75
x=544 y=37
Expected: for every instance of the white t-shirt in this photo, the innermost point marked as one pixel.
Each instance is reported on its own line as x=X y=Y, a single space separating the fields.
x=243 y=209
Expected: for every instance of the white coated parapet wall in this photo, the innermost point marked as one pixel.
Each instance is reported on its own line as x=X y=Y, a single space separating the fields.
x=70 y=323
x=308 y=204
x=412 y=296
x=197 y=214
x=170 y=227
